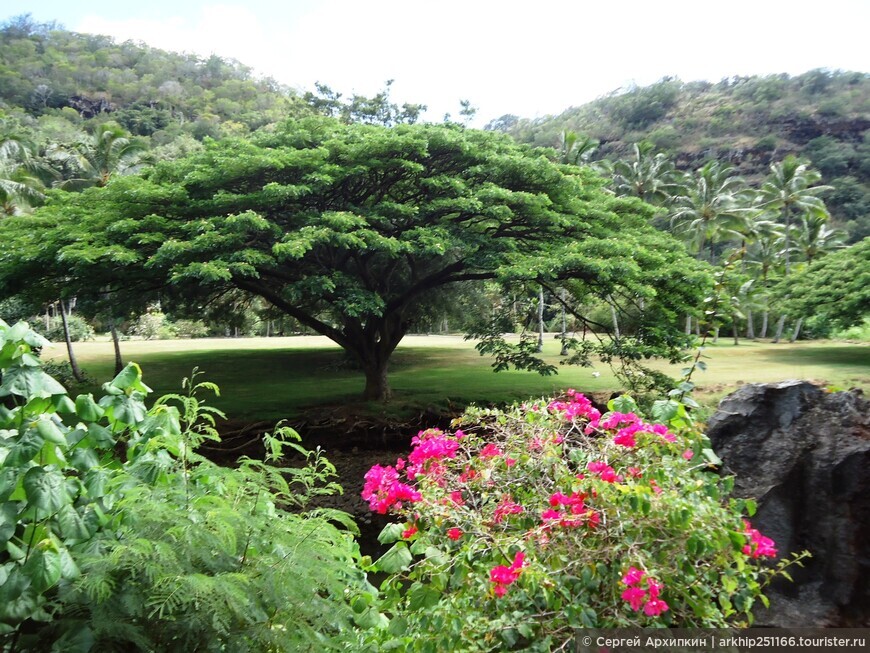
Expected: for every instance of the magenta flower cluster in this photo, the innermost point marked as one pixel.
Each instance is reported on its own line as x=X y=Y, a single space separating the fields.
x=502 y=576
x=640 y=598
x=385 y=492
x=758 y=546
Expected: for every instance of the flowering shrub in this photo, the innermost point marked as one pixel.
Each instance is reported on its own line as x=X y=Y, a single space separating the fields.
x=528 y=523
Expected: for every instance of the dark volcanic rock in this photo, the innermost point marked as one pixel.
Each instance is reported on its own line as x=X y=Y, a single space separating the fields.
x=804 y=454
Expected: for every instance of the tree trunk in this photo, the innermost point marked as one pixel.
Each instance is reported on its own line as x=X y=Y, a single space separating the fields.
x=734 y=332
x=764 y=317
x=615 y=319
x=750 y=325
x=779 y=327
x=688 y=325
x=377 y=387
x=564 y=350
x=119 y=363
x=797 y=330
x=540 y=347
x=47 y=320
x=73 y=363
x=715 y=335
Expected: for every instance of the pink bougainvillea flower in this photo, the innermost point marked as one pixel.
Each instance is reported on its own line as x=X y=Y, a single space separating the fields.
x=688 y=454
x=634 y=472
x=654 y=607
x=385 y=492
x=454 y=533
x=625 y=437
x=635 y=597
x=408 y=532
x=633 y=576
x=614 y=419
x=639 y=598
x=430 y=447
x=460 y=434
x=456 y=498
x=503 y=576
x=758 y=546
x=604 y=471
x=506 y=507
x=661 y=430
x=490 y=451
x=550 y=515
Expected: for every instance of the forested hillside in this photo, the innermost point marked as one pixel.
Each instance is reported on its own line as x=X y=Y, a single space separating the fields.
x=749 y=122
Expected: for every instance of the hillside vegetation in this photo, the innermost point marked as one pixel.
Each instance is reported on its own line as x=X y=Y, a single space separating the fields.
x=749 y=122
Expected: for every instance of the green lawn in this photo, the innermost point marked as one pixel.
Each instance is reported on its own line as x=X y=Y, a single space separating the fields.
x=267 y=379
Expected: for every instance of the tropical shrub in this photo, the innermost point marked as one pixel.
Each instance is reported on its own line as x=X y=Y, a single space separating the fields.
x=79 y=329
x=115 y=535
x=526 y=524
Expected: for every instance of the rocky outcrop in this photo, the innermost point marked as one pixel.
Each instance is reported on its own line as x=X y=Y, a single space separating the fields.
x=804 y=454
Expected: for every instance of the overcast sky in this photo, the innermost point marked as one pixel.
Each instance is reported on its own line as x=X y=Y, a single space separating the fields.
x=527 y=58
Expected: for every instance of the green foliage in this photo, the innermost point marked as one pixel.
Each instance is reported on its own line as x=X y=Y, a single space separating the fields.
x=158 y=549
x=530 y=523
x=355 y=230
x=836 y=288
x=79 y=329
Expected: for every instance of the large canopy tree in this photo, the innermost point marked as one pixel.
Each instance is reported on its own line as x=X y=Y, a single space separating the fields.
x=353 y=229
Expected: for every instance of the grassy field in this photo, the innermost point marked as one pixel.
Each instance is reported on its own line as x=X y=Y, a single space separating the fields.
x=271 y=378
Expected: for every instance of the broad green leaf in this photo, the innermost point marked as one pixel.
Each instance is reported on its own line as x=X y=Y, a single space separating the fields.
x=29 y=382
x=26 y=448
x=8 y=480
x=45 y=490
x=100 y=437
x=63 y=404
x=664 y=410
x=711 y=456
x=123 y=409
x=397 y=559
x=8 y=521
x=130 y=379
x=391 y=533
x=72 y=526
x=422 y=597
x=43 y=567
x=87 y=409
x=50 y=432
x=622 y=404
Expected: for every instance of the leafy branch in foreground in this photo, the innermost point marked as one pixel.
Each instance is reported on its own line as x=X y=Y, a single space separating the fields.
x=116 y=535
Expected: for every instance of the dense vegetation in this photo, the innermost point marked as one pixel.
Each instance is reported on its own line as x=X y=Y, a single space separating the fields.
x=362 y=233
x=162 y=195
x=749 y=122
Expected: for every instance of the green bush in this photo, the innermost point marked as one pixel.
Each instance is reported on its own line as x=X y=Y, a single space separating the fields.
x=527 y=524
x=117 y=536
x=188 y=329
x=79 y=329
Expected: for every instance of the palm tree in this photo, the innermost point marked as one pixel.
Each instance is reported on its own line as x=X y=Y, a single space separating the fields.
x=791 y=189
x=22 y=175
x=96 y=157
x=575 y=148
x=712 y=205
x=812 y=237
x=651 y=178
x=761 y=255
